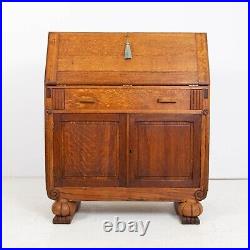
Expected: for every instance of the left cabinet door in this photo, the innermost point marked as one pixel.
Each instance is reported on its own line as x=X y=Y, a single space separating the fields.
x=89 y=150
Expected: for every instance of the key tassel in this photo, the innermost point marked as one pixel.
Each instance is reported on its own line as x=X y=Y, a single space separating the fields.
x=127 y=53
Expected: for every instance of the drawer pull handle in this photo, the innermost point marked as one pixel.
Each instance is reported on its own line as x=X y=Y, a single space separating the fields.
x=163 y=100
x=88 y=100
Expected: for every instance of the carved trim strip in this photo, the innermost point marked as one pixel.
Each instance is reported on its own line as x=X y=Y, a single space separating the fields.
x=205 y=92
x=205 y=111
x=58 y=99
x=196 y=99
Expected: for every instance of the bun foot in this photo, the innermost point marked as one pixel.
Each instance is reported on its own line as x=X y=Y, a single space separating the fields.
x=64 y=211
x=189 y=211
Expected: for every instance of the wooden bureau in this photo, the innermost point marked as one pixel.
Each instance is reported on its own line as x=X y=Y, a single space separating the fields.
x=127 y=118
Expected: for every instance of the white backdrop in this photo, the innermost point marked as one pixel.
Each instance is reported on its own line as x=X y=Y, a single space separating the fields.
x=25 y=29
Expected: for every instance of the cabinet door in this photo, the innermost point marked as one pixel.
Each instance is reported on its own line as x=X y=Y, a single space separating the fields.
x=165 y=150
x=89 y=150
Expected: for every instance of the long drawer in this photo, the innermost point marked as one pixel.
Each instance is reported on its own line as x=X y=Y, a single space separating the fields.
x=127 y=98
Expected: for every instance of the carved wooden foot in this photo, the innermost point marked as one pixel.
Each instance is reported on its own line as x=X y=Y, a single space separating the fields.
x=64 y=211
x=189 y=211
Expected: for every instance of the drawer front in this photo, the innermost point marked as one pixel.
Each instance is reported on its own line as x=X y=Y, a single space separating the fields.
x=127 y=98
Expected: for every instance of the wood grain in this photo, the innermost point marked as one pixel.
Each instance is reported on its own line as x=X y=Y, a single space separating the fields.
x=165 y=150
x=126 y=98
x=202 y=58
x=58 y=98
x=165 y=52
x=91 y=44
x=160 y=63
x=89 y=149
x=119 y=129
x=49 y=153
x=98 y=58
x=119 y=78
x=52 y=58
x=126 y=193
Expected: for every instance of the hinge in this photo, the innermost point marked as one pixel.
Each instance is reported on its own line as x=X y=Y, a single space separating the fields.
x=127 y=85
x=193 y=85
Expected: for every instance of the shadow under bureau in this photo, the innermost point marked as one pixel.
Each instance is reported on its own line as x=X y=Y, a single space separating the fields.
x=127 y=118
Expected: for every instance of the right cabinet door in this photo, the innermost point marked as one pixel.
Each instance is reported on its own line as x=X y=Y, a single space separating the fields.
x=165 y=150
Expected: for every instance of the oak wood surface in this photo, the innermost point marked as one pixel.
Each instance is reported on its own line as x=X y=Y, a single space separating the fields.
x=165 y=150
x=134 y=129
x=98 y=58
x=189 y=211
x=156 y=53
x=127 y=193
x=89 y=150
x=64 y=211
x=127 y=98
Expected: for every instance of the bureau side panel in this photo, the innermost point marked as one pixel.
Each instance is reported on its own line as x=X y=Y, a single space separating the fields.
x=51 y=61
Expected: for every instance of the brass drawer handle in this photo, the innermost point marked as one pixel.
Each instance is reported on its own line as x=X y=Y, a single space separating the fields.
x=87 y=100
x=165 y=100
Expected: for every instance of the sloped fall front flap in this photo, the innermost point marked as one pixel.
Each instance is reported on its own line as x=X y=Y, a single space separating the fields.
x=155 y=59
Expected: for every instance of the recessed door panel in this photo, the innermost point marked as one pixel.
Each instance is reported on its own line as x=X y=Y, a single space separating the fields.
x=89 y=149
x=165 y=150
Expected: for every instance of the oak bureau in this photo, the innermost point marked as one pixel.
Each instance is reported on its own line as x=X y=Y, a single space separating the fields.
x=127 y=118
